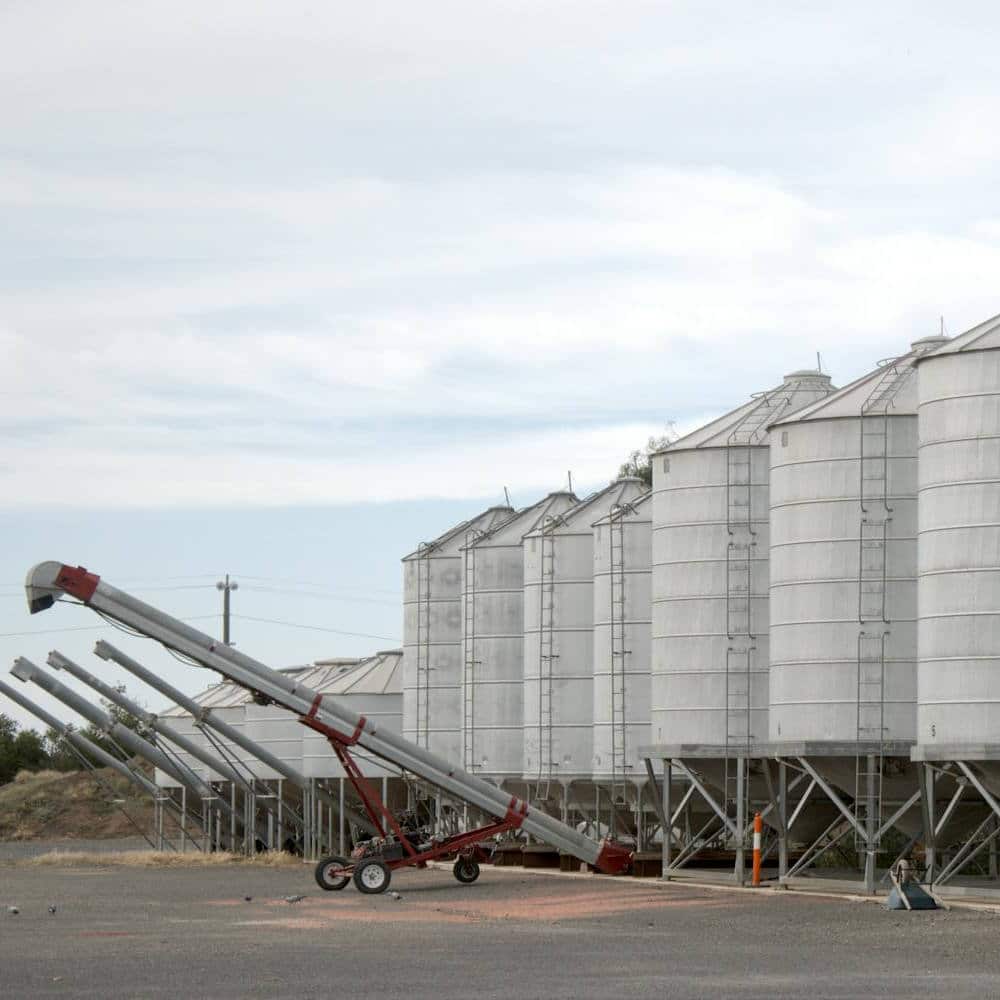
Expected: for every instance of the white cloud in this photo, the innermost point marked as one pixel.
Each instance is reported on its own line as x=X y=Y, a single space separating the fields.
x=308 y=250
x=166 y=469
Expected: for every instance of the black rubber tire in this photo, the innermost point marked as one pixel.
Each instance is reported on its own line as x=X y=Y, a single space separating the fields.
x=466 y=870
x=331 y=882
x=372 y=877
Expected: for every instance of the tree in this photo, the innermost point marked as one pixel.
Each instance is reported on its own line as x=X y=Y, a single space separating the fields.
x=61 y=756
x=119 y=715
x=19 y=750
x=639 y=463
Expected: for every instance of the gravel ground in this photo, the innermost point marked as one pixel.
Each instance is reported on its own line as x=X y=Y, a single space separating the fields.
x=190 y=933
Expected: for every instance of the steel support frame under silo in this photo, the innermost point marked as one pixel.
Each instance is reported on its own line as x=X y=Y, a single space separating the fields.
x=730 y=804
x=782 y=782
x=946 y=858
x=865 y=818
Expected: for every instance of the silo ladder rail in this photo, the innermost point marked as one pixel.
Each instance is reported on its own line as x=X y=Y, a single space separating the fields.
x=619 y=653
x=385 y=822
x=423 y=678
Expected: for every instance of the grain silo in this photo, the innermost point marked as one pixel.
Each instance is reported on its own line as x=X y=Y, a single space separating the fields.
x=958 y=693
x=622 y=610
x=843 y=608
x=559 y=641
x=372 y=687
x=493 y=641
x=432 y=637
x=710 y=573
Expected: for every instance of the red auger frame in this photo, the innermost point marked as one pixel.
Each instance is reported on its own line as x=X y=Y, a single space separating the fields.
x=371 y=874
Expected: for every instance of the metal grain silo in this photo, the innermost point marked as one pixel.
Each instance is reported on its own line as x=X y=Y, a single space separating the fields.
x=622 y=610
x=432 y=637
x=559 y=639
x=493 y=641
x=959 y=510
x=372 y=687
x=710 y=573
x=843 y=601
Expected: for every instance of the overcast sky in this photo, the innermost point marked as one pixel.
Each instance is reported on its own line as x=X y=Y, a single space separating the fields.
x=259 y=258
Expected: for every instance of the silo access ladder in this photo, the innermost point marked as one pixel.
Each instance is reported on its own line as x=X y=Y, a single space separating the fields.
x=619 y=652
x=423 y=664
x=470 y=663
x=739 y=561
x=546 y=656
x=49 y=582
x=874 y=530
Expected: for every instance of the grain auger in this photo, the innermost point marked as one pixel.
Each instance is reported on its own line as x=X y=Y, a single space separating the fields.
x=393 y=846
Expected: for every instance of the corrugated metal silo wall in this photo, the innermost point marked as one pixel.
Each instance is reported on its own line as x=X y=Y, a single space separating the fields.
x=816 y=631
x=629 y=619
x=959 y=582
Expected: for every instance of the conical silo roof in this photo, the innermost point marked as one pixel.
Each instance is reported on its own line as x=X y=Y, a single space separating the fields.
x=378 y=674
x=637 y=507
x=888 y=384
x=223 y=695
x=798 y=389
x=984 y=336
x=596 y=506
x=526 y=520
x=452 y=541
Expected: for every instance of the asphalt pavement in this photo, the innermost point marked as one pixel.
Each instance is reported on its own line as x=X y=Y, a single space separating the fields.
x=156 y=933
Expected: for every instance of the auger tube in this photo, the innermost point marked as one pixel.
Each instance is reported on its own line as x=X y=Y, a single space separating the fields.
x=50 y=581
x=25 y=670
x=204 y=717
x=91 y=750
x=58 y=661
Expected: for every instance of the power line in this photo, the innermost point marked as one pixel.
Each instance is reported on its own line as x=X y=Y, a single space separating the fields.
x=317 y=628
x=322 y=595
x=308 y=583
x=187 y=586
x=87 y=628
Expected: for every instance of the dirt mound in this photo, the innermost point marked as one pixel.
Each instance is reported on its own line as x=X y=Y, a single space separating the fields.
x=55 y=804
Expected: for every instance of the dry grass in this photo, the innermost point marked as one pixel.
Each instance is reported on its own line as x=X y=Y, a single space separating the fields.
x=57 y=804
x=23 y=777
x=157 y=859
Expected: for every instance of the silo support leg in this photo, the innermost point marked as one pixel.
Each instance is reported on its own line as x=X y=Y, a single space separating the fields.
x=779 y=808
x=281 y=807
x=926 y=773
x=741 y=820
x=666 y=821
x=640 y=838
x=993 y=851
x=870 y=820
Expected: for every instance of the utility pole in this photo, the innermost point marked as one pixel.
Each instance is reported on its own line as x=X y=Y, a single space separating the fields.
x=226 y=587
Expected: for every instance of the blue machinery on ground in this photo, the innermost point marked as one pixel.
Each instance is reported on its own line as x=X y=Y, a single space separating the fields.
x=51 y=581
